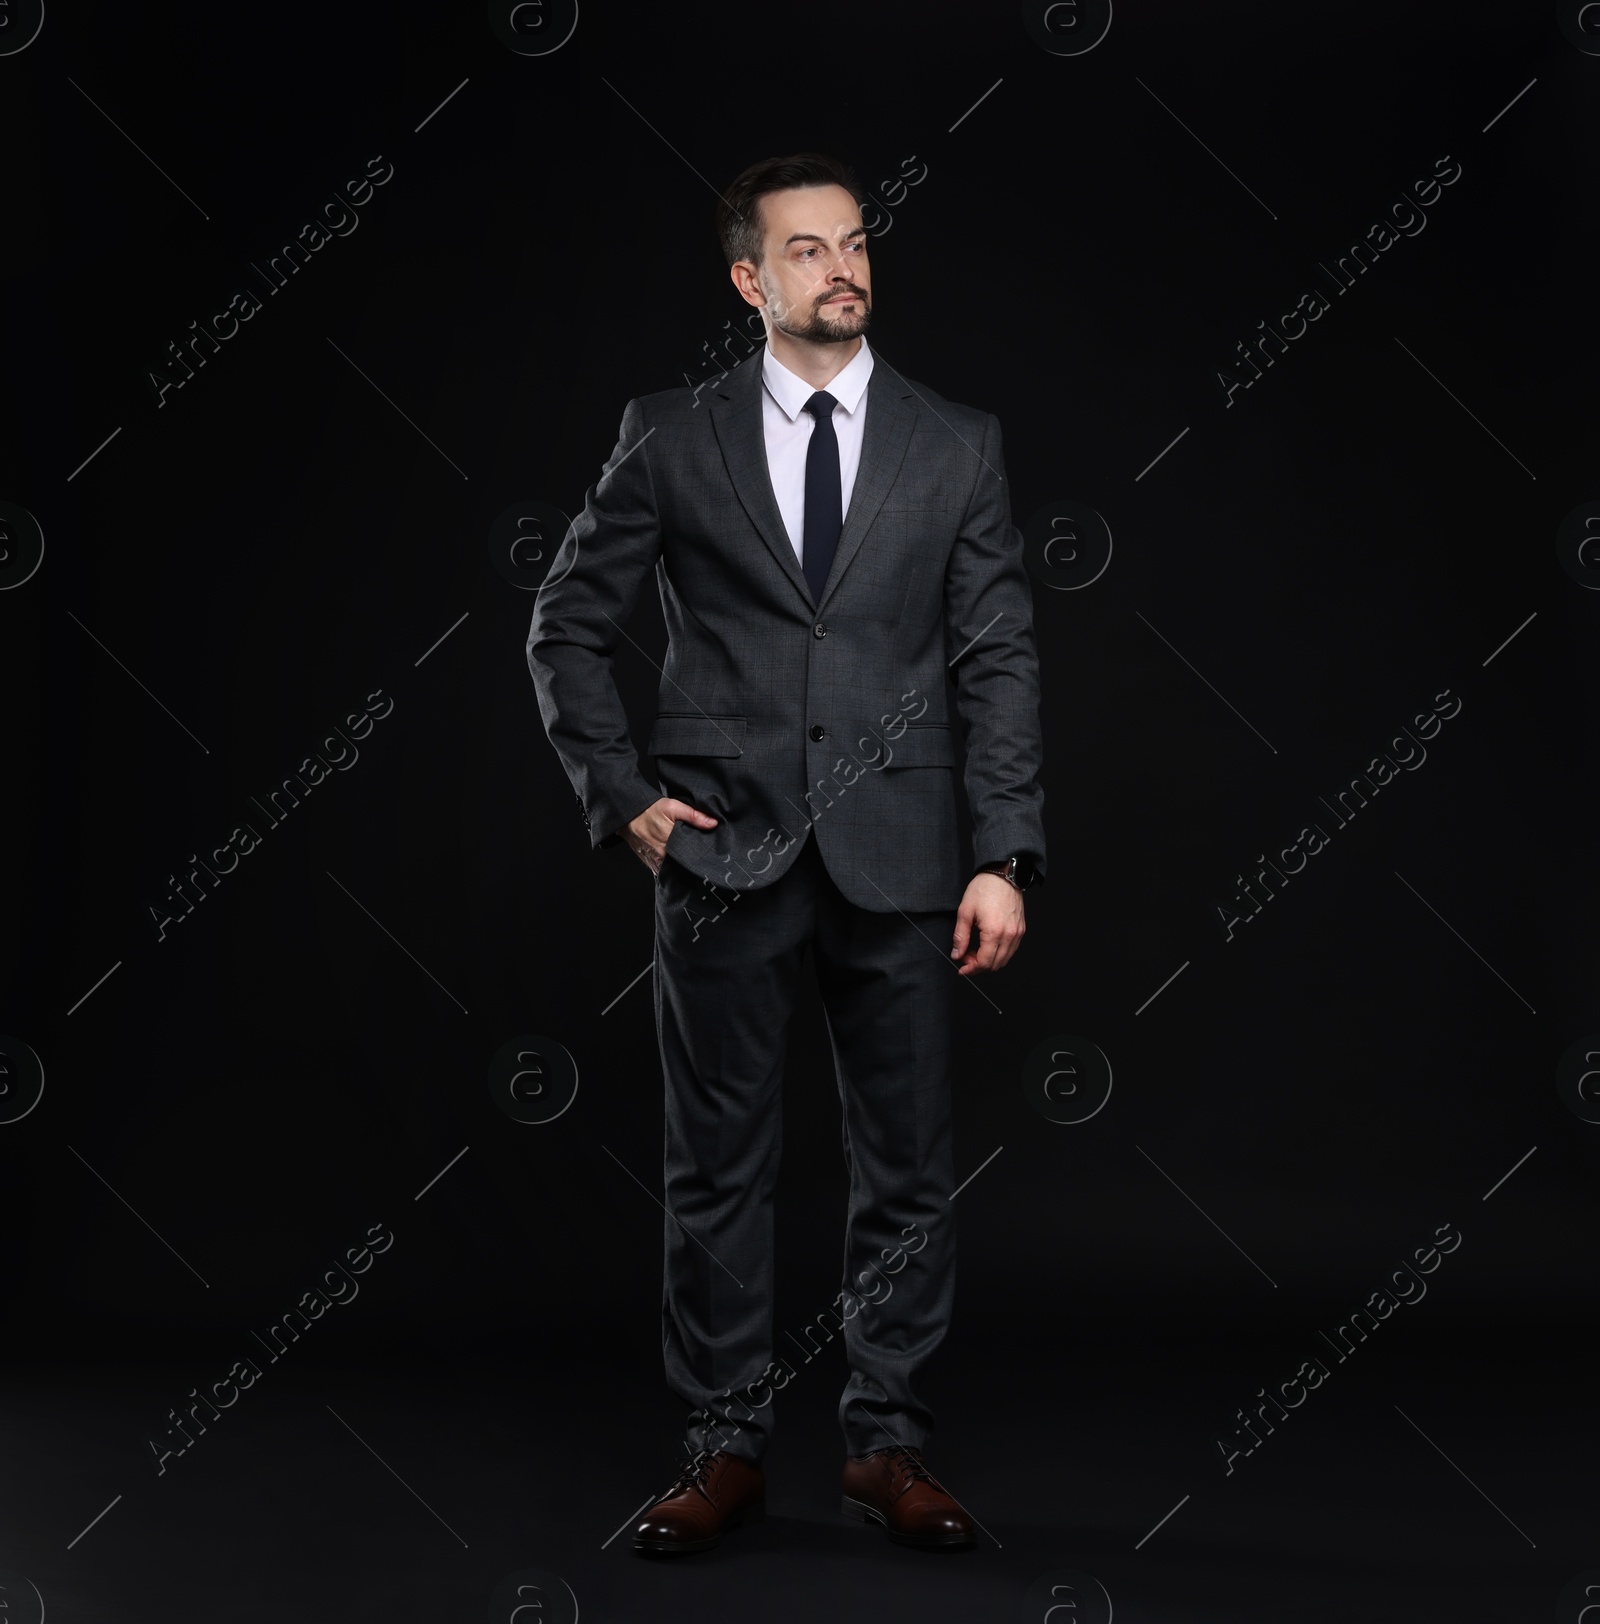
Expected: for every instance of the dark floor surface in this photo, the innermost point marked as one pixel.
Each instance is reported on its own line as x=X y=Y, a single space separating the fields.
x=357 y=1490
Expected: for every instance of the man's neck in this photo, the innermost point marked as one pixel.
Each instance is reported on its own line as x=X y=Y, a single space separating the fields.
x=817 y=364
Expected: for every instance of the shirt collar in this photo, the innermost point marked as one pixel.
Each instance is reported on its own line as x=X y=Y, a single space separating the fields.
x=791 y=392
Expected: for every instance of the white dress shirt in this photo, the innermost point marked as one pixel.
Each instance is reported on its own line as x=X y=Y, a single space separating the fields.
x=787 y=427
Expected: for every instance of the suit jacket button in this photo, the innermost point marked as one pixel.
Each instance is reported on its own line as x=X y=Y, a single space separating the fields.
x=818 y=732
x=819 y=630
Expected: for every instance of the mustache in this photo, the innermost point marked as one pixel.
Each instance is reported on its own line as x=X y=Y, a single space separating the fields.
x=833 y=293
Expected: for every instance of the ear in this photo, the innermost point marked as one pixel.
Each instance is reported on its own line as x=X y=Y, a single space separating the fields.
x=743 y=272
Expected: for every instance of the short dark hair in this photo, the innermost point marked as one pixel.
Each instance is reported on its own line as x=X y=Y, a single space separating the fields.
x=739 y=215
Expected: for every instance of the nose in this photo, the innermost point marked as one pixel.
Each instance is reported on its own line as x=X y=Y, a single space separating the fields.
x=841 y=274
x=840 y=268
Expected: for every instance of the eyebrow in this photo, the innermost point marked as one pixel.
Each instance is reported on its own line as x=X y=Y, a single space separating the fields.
x=811 y=236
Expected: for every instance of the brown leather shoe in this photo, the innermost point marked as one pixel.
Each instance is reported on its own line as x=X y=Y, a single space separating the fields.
x=714 y=1491
x=891 y=1486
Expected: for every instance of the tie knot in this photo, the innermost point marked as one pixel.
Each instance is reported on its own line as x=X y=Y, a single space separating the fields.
x=821 y=405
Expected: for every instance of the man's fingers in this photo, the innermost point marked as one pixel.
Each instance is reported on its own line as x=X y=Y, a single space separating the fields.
x=682 y=812
x=653 y=827
x=1005 y=944
x=992 y=944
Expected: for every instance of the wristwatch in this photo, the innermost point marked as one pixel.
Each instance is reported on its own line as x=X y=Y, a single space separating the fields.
x=1018 y=870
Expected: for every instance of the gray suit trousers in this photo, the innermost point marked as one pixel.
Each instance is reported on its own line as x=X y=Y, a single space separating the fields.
x=727 y=966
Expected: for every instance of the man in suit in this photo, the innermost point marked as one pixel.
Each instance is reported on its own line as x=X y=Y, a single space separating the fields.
x=829 y=540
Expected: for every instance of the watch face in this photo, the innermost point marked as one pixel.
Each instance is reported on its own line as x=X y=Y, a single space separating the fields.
x=1018 y=870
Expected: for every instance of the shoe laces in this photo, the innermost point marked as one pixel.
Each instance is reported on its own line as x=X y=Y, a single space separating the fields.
x=908 y=1462
x=695 y=1472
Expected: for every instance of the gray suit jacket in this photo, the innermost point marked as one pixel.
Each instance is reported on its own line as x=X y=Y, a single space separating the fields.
x=780 y=716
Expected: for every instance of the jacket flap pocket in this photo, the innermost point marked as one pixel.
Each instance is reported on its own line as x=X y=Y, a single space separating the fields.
x=924 y=745
x=926 y=502
x=697 y=736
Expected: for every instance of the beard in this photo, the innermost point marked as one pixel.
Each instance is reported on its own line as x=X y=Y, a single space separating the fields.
x=817 y=327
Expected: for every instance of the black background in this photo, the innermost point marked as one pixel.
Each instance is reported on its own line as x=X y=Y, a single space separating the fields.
x=298 y=525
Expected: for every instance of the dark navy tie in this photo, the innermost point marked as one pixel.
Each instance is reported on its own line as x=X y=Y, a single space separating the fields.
x=824 y=510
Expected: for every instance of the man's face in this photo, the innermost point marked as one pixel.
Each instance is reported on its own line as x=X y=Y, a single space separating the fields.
x=813 y=277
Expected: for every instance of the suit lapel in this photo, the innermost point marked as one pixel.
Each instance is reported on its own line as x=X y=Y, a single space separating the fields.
x=891 y=414
x=736 y=416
